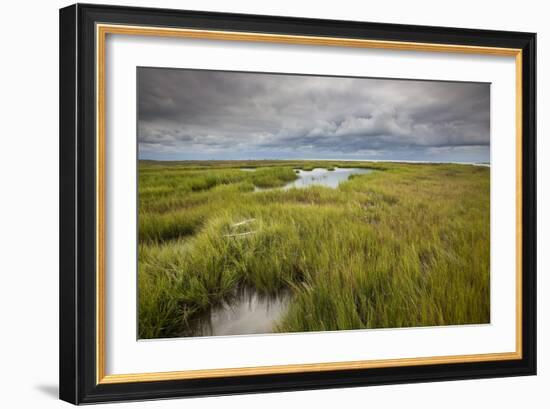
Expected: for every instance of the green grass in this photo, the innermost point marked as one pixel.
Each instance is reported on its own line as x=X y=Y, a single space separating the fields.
x=404 y=246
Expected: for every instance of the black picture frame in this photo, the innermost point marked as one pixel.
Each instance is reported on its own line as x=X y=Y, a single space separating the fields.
x=78 y=359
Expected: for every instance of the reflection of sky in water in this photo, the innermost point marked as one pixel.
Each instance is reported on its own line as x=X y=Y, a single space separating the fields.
x=324 y=177
x=248 y=313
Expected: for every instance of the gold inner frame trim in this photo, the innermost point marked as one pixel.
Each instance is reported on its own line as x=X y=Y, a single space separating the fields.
x=101 y=33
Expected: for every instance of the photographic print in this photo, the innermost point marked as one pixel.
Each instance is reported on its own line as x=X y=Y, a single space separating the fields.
x=277 y=203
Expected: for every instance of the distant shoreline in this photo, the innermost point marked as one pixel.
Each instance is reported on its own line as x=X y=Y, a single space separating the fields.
x=318 y=160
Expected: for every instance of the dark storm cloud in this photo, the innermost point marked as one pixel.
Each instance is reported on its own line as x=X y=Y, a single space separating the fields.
x=188 y=114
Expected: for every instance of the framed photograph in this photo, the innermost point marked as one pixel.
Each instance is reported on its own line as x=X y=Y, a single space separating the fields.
x=257 y=203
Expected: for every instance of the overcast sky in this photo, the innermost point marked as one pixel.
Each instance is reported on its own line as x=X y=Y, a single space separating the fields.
x=193 y=114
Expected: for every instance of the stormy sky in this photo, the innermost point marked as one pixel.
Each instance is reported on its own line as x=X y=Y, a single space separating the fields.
x=198 y=115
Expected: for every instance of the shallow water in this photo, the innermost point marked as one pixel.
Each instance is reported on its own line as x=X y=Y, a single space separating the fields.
x=319 y=177
x=248 y=313
x=324 y=177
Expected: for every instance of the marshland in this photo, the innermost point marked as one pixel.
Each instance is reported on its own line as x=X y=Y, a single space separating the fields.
x=241 y=247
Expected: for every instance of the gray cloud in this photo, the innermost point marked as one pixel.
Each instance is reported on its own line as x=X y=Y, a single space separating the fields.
x=193 y=114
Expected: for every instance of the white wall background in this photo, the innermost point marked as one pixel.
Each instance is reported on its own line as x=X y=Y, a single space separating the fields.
x=29 y=202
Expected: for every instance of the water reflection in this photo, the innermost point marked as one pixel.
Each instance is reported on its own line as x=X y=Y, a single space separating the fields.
x=247 y=313
x=324 y=177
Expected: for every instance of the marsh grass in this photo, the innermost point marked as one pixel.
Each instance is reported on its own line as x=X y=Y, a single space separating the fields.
x=404 y=246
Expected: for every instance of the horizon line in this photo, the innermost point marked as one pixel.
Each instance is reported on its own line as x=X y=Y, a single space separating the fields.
x=319 y=160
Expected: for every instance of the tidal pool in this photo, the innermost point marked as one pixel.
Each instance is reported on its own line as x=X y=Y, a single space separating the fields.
x=247 y=313
x=323 y=177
